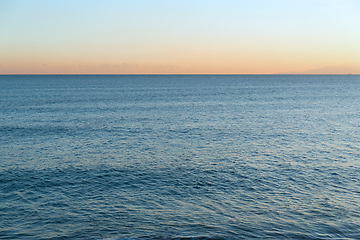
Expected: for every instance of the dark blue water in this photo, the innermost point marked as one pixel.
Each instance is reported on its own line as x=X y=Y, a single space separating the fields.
x=172 y=157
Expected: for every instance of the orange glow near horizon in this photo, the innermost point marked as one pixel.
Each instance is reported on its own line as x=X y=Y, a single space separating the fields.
x=236 y=37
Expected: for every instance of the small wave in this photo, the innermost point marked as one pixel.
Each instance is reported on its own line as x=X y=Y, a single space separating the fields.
x=164 y=237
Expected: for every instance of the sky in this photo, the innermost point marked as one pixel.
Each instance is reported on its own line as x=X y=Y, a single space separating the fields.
x=179 y=37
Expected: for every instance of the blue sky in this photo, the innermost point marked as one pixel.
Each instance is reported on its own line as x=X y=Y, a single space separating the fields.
x=179 y=36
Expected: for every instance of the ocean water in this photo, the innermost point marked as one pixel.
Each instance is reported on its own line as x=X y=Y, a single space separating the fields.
x=180 y=157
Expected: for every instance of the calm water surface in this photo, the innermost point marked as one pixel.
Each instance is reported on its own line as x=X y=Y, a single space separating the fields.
x=180 y=157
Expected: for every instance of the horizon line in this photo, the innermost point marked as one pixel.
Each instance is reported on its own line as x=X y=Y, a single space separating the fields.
x=3 y=74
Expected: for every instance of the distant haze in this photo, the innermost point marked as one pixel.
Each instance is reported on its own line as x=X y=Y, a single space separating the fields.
x=159 y=37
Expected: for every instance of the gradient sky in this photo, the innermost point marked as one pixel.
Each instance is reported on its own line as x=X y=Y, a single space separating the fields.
x=198 y=36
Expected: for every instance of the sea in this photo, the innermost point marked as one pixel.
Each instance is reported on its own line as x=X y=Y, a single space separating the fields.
x=174 y=157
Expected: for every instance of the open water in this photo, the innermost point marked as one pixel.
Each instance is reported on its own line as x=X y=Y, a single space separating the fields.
x=180 y=157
